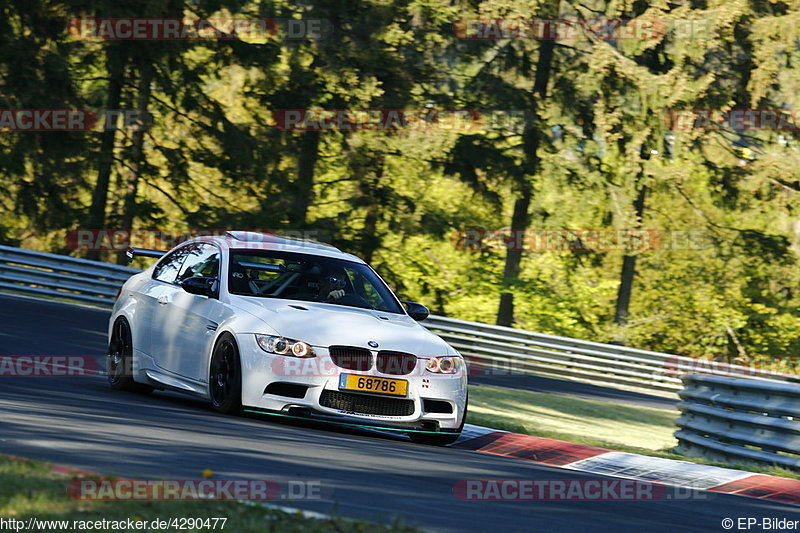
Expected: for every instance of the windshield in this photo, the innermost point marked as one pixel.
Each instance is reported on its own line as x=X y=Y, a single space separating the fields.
x=310 y=278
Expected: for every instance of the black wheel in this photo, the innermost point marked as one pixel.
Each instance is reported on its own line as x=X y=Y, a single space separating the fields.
x=225 y=377
x=119 y=364
x=441 y=439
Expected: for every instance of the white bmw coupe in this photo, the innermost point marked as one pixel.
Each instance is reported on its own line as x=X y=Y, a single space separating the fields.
x=267 y=324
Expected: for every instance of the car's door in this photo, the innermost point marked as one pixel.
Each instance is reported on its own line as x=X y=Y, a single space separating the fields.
x=164 y=274
x=188 y=322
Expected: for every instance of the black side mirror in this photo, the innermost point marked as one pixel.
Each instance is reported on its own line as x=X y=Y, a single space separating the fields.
x=416 y=311
x=201 y=285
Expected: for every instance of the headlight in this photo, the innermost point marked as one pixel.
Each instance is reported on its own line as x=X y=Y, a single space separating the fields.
x=282 y=346
x=443 y=365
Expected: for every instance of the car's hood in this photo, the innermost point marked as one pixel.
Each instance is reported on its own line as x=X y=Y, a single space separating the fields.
x=321 y=324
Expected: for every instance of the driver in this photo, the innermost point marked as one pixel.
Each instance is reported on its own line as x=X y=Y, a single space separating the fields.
x=332 y=284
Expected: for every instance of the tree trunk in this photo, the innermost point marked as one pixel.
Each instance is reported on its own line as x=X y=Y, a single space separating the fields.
x=531 y=141
x=304 y=183
x=629 y=267
x=370 y=241
x=519 y=223
x=96 y=217
x=137 y=152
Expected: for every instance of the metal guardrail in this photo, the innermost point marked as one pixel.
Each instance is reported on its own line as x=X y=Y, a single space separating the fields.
x=490 y=349
x=502 y=350
x=740 y=420
x=60 y=276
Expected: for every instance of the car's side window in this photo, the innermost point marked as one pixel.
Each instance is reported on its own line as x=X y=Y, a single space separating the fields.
x=201 y=260
x=167 y=270
x=365 y=289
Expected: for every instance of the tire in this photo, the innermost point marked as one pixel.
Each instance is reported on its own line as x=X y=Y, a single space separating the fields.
x=441 y=439
x=225 y=377
x=119 y=362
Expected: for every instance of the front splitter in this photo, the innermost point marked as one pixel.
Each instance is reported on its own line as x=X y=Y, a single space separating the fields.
x=347 y=421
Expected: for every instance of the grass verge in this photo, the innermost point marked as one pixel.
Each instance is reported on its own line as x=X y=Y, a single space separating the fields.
x=29 y=489
x=626 y=428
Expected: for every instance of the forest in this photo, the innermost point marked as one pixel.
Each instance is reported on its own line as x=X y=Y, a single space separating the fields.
x=619 y=171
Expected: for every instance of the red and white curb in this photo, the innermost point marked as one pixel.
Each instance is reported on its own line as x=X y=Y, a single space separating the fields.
x=625 y=465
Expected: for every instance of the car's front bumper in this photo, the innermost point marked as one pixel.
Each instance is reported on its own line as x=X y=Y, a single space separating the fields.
x=319 y=374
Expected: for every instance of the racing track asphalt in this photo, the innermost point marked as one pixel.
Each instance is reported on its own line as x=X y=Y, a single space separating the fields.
x=80 y=422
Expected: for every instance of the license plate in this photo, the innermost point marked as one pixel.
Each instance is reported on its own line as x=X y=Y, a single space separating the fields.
x=393 y=387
